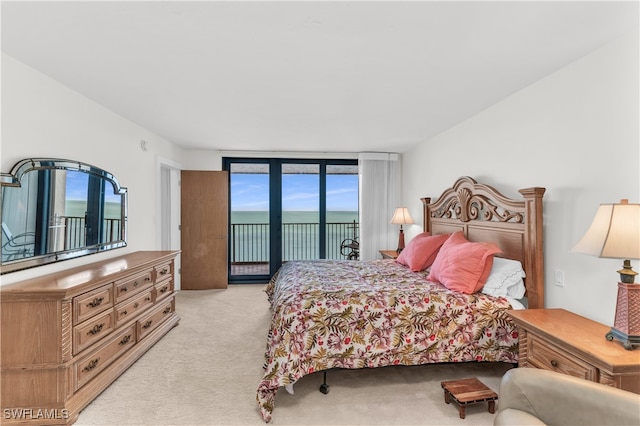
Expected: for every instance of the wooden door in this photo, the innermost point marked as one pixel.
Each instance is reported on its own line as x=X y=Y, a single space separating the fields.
x=204 y=214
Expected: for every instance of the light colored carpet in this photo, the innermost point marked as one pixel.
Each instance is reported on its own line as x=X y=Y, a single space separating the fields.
x=207 y=369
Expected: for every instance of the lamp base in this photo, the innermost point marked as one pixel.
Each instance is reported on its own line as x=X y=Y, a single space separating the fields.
x=626 y=327
x=400 y=241
x=627 y=274
x=627 y=341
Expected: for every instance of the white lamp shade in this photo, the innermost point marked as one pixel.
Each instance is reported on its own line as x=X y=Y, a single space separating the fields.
x=401 y=216
x=614 y=232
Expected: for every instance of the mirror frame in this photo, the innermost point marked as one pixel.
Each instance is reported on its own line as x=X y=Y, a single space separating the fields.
x=14 y=179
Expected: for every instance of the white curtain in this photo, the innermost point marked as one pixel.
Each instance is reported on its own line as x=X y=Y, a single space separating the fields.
x=379 y=196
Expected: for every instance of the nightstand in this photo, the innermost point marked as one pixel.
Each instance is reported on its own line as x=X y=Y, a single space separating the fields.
x=559 y=340
x=389 y=254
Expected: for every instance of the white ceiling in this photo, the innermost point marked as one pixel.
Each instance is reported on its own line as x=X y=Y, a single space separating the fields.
x=320 y=76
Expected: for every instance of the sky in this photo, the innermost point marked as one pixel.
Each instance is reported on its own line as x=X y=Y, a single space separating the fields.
x=250 y=192
x=76 y=188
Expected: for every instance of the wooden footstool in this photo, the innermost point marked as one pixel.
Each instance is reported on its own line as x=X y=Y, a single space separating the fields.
x=468 y=391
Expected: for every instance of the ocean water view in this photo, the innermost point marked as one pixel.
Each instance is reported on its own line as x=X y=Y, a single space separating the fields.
x=77 y=208
x=293 y=216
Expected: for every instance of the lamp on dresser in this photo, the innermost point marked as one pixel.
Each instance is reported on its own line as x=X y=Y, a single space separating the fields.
x=401 y=217
x=615 y=233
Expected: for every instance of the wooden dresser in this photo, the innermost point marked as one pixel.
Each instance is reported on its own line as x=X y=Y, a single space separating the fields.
x=559 y=340
x=67 y=336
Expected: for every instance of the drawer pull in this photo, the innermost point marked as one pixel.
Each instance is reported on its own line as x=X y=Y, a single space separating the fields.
x=95 y=302
x=96 y=329
x=554 y=363
x=164 y=289
x=123 y=313
x=123 y=289
x=135 y=305
x=92 y=364
x=167 y=310
x=126 y=339
x=164 y=271
x=135 y=284
x=148 y=298
x=147 y=324
x=147 y=279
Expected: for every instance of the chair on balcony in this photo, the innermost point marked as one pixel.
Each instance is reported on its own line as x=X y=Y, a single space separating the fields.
x=349 y=247
x=16 y=246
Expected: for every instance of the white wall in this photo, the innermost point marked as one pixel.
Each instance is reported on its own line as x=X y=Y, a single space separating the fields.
x=43 y=118
x=576 y=133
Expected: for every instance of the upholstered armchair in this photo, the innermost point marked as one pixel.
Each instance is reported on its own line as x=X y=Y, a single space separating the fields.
x=530 y=396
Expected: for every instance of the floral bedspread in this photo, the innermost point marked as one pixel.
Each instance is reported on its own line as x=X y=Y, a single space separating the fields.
x=357 y=314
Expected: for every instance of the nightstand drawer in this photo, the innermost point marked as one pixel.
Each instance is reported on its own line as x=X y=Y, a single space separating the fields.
x=547 y=356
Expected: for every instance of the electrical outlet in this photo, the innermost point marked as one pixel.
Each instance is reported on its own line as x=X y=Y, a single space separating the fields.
x=559 y=281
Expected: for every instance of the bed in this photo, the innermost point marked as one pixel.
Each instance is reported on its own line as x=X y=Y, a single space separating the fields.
x=366 y=314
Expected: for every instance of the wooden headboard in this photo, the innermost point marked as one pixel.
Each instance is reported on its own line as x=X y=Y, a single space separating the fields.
x=484 y=214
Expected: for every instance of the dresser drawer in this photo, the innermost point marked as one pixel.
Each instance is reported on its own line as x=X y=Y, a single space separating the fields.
x=163 y=289
x=92 y=364
x=130 y=308
x=545 y=355
x=149 y=322
x=89 y=304
x=163 y=271
x=92 y=330
x=131 y=285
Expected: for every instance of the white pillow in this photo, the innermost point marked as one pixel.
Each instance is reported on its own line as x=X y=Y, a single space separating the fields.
x=515 y=304
x=505 y=279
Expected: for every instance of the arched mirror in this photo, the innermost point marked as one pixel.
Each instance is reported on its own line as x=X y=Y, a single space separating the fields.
x=55 y=209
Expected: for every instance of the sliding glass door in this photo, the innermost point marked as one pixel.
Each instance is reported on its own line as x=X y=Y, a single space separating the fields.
x=249 y=220
x=342 y=227
x=283 y=209
x=300 y=206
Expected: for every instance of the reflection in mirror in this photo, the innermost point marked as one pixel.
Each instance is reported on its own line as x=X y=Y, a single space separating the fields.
x=56 y=209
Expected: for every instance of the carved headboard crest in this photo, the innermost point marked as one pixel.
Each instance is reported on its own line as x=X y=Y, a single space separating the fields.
x=469 y=200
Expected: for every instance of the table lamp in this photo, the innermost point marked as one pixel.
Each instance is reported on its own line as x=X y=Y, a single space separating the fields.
x=401 y=217
x=615 y=233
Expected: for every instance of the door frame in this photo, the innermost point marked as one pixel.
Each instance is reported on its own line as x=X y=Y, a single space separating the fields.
x=168 y=208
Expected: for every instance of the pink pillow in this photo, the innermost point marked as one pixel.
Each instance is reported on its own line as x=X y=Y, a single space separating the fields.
x=421 y=251
x=463 y=266
x=422 y=234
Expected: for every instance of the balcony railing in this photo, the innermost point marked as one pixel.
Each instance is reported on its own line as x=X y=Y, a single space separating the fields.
x=300 y=241
x=75 y=235
x=250 y=241
x=64 y=233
